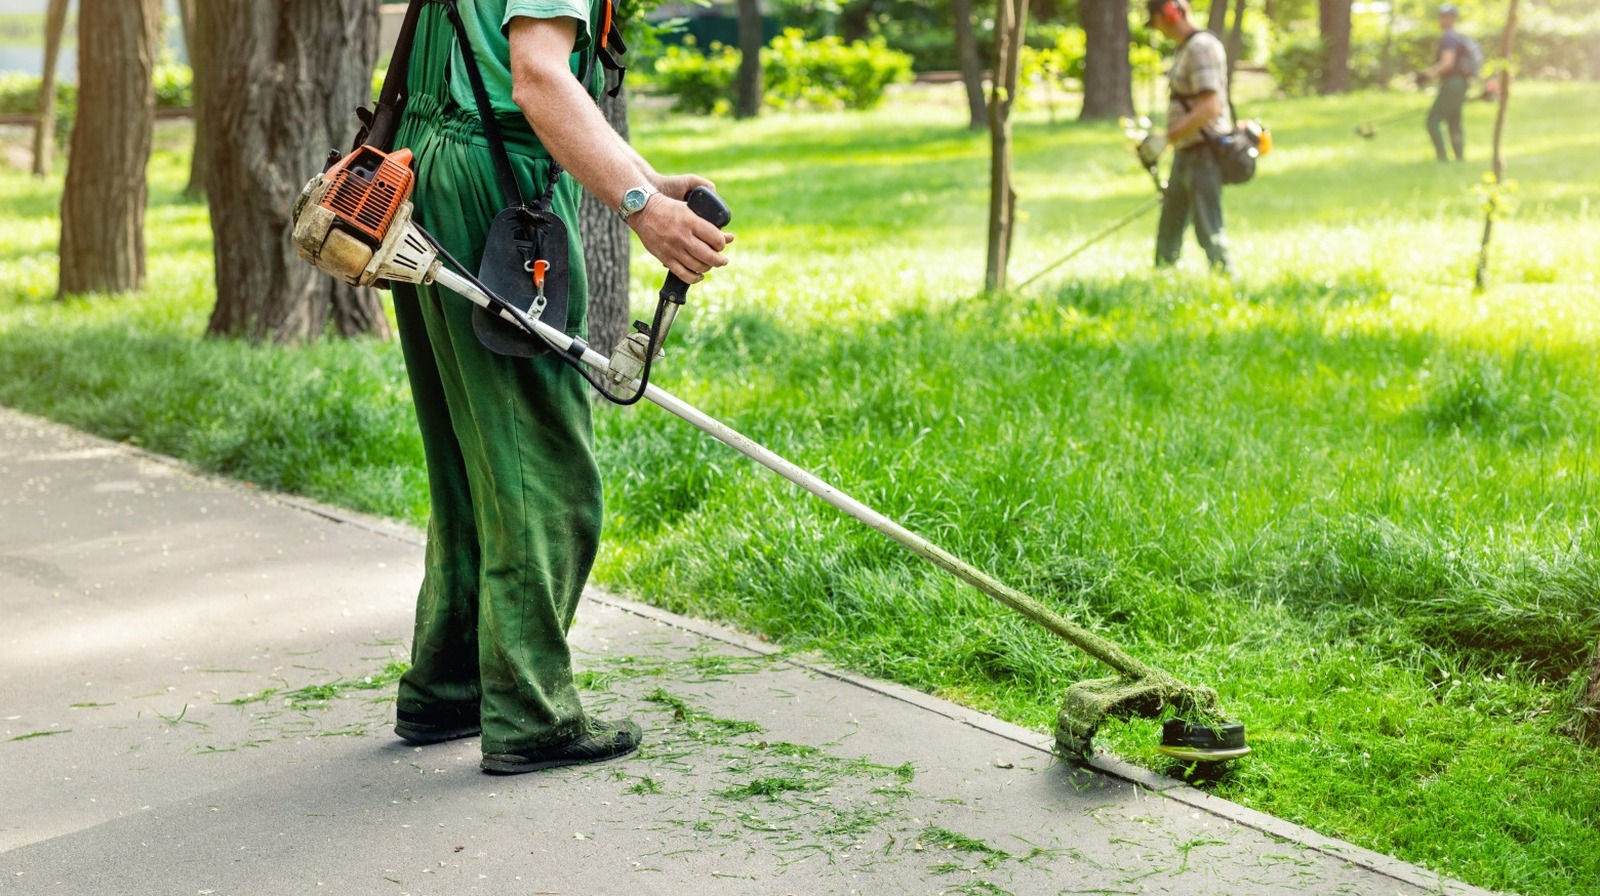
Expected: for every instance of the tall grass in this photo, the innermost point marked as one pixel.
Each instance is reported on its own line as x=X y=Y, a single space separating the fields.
x=1345 y=490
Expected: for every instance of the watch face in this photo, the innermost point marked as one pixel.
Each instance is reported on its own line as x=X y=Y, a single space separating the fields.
x=634 y=199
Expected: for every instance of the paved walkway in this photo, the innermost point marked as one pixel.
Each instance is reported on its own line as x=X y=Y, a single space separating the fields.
x=196 y=685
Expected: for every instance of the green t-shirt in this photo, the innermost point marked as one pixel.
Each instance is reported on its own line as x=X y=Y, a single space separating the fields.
x=488 y=25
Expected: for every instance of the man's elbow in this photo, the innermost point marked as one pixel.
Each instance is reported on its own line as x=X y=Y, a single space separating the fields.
x=532 y=86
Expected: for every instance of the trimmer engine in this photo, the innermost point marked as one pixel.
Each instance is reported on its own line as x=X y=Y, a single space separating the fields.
x=353 y=220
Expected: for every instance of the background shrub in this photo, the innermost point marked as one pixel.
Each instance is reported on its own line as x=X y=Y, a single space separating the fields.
x=699 y=83
x=825 y=73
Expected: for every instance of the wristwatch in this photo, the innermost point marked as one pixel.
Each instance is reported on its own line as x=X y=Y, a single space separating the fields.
x=635 y=199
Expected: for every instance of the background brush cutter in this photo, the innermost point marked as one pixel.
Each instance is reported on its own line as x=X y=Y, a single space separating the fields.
x=353 y=221
x=1369 y=129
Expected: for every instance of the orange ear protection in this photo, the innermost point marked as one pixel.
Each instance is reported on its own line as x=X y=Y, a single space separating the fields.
x=1171 y=11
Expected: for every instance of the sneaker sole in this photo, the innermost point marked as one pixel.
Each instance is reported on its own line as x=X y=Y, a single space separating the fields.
x=424 y=738
x=495 y=765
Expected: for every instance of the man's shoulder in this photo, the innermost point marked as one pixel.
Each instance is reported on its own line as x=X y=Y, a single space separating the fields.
x=1203 y=41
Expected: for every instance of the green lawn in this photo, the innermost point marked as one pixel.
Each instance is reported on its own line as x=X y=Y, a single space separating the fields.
x=1347 y=491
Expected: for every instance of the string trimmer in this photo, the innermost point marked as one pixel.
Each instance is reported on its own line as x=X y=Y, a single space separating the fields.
x=1148 y=146
x=1369 y=129
x=353 y=221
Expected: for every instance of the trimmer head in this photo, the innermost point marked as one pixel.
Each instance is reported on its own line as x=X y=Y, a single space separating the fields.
x=1088 y=703
x=1202 y=743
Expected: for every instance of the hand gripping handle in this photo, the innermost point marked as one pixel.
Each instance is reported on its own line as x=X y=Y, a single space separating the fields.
x=708 y=205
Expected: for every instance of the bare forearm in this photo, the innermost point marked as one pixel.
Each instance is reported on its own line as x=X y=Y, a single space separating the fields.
x=573 y=129
x=576 y=134
x=1205 y=110
x=1447 y=61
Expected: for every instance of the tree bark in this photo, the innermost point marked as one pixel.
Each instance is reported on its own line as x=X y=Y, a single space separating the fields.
x=1333 y=17
x=1235 y=45
x=44 y=130
x=102 y=205
x=282 y=81
x=1217 y=17
x=971 y=64
x=747 y=103
x=197 y=158
x=1011 y=19
x=855 y=21
x=1107 y=74
x=607 y=246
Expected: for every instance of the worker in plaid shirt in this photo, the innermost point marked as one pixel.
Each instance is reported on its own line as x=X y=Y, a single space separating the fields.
x=1196 y=113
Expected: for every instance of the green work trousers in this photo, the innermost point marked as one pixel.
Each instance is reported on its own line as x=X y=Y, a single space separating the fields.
x=515 y=498
x=1446 y=114
x=1194 y=190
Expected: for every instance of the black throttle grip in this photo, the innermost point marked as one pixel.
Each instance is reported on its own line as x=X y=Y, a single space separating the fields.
x=708 y=205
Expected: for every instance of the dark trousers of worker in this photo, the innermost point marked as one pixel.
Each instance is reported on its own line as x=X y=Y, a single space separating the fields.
x=1194 y=191
x=1446 y=114
x=515 y=497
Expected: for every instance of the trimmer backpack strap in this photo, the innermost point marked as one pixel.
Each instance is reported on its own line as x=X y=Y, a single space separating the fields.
x=608 y=49
x=378 y=125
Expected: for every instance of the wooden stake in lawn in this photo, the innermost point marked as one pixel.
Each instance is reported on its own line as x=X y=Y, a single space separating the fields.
x=1010 y=18
x=1498 y=173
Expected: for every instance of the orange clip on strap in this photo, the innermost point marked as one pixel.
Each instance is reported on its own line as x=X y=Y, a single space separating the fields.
x=604 y=34
x=539 y=267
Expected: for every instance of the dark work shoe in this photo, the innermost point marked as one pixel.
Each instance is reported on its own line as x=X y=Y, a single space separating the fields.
x=413 y=730
x=598 y=742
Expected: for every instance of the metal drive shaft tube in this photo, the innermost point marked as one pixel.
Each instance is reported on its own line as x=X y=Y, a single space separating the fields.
x=1092 y=644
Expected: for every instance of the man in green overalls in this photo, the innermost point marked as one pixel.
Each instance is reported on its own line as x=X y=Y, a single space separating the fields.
x=515 y=491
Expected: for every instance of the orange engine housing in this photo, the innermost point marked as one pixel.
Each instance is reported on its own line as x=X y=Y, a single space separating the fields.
x=369 y=185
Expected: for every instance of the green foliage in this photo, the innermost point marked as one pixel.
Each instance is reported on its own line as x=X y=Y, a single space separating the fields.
x=19 y=92
x=174 y=82
x=1059 y=60
x=19 y=95
x=1547 y=46
x=825 y=73
x=699 y=83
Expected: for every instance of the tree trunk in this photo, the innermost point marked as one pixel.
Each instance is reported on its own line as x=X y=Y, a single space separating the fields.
x=44 y=130
x=1589 y=703
x=1011 y=19
x=102 y=205
x=971 y=64
x=282 y=81
x=1217 y=17
x=1107 y=75
x=1498 y=169
x=607 y=245
x=1386 y=55
x=855 y=21
x=197 y=158
x=1334 y=18
x=748 y=97
x=1235 y=45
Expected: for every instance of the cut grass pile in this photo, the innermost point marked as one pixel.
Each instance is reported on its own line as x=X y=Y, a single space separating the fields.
x=1346 y=491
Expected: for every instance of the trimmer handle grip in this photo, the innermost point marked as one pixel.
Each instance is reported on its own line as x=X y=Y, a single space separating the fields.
x=708 y=205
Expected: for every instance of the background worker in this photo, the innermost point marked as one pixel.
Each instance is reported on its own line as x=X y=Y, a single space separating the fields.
x=515 y=496
x=1448 y=69
x=1197 y=111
